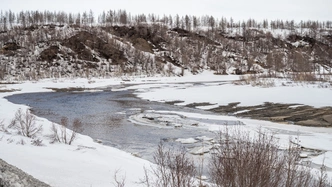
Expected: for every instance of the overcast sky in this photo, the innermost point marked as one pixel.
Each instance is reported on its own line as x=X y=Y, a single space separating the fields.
x=238 y=9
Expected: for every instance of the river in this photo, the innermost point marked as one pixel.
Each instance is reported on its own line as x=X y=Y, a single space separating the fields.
x=105 y=117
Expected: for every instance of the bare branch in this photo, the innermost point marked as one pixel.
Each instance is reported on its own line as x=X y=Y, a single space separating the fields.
x=25 y=123
x=119 y=182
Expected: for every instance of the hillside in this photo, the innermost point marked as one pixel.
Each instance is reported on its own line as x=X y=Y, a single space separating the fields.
x=35 y=45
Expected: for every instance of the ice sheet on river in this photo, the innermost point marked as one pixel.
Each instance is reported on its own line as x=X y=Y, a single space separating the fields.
x=162 y=119
x=151 y=118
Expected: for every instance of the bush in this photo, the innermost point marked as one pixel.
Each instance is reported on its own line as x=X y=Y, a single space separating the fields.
x=119 y=182
x=3 y=128
x=62 y=134
x=304 y=77
x=2 y=72
x=242 y=160
x=174 y=169
x=37 y=142
x=255 y=80
x=25 y=123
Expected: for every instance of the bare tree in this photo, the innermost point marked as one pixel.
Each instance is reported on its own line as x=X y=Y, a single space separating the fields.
x=2 y=72
x=77 y=127
x=195 y=23
x=3 y=128
x=123 y=17
x=85 y=19
x=91 y=18
x=243 y=160
x=188 y=22
x=25 y=123
x=62 y=134
x=174 y=169
x=119 y=182
x=177 y=21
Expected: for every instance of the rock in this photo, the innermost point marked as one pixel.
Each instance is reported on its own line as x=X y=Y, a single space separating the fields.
x=136 y=155
x=177 y=125
x=12 y=176
x=98 y=141
x=149 y=118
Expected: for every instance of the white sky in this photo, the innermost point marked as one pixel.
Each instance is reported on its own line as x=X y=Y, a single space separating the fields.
x=238 y=9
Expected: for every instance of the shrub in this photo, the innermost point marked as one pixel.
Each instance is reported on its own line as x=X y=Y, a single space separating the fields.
x=304 y=77
x=21 y=142
x=243 y=160
x=62 y=134
x=119 y=182
x=173 y=169
x=3 y=128
x=25 y=123
x=2 y=72
x=37 y=142
x=255 y=80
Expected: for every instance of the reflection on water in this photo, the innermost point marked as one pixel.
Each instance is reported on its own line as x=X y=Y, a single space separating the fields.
x=105 y=116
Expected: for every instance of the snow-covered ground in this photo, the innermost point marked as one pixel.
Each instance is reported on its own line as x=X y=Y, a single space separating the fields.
x=247 y=95
x=87 y=163
x=223 y=93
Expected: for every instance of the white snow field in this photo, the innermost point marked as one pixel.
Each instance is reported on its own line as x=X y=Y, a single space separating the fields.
x=87 y=163
x=222 y=93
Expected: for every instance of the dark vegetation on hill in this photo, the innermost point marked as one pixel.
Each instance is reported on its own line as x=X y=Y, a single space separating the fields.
x=36 y=45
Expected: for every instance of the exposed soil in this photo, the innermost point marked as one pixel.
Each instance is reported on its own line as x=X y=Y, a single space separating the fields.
x=80 y=41
x=282 y=113
x=145 y=35
x=174 y=102
x=194 y=105
x=185 y=33
x=142 y=44
x=294 y=38
x=49 y=54
x=7 y=90
x=11 y=46
x=276 y=112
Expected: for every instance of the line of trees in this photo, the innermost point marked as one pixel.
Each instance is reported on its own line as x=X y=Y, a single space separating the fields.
x=8 y=19
x=145 y=43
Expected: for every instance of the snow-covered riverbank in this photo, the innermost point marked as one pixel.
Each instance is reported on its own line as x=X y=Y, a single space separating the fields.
x=223 y=93
x=87 y=163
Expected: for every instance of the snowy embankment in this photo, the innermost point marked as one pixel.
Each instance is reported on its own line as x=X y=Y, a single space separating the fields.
x=87 y=163
x=223 y=94
x=316 y=138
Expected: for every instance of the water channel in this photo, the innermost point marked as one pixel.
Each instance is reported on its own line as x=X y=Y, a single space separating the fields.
x=105 y=117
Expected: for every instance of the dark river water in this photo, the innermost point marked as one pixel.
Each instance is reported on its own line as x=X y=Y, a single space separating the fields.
x=105 y=117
